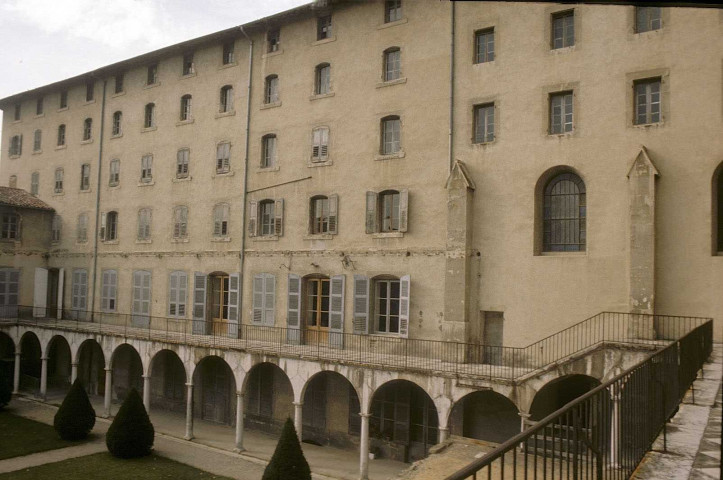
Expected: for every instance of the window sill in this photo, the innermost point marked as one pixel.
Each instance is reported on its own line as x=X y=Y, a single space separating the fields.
x=221 y=239
x=118 y=94
x=388 y=235
x=13 y=157
x=86 y=142
x=81 y=242
x=89 y=102
x=39 y=115
x=188 y=75
x=13 y=241
x=563 y=254
x=325 y=163
x=139 y=242
x=148 y=129
x=267 y=169
x=120 y=135
x=399 y=154
x=114 y=185
x=109 y=242
x=266 y=106
x=146 y=184
x=182 y=179
x=37 y=152
x=55 y=243
x=62 y=109
x=184 y=122
x=266 y=238
x=280 y=51
x=562 y=50
x=61 y=147
x=15 y=122
x=230 y=113
x=561 y=135
x=85 y=191
x=319 y=96
x=179 y=240
x=319 y=236
x=58 y=194
x=151 y=85
x=648 y=125
x=224 y=66
x=483 y=144
x=392 y=24
x=225 y=174
x=324 y=40
x=390 y=83
x=395 y=337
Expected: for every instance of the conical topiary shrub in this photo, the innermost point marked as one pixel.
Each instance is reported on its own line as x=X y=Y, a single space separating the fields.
x=131 y=433
x=288 y=462
x=75 y=418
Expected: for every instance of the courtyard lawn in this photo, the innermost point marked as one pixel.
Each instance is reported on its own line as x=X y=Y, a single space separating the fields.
x=104 y=465
x=20 y=436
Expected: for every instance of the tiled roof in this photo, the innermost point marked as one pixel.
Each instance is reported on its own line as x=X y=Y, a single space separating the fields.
x=17 y=197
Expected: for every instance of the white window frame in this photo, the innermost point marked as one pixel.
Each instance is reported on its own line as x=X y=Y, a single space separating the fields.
x=147 y=168
x=180 y=222
x=269 y=145
x=37 y=140
x=117 y=119
x=223 y=157
x=177 y=294
x=320 y=144
x=144 y=224
x=392 y=64
x=82 y=230
x=226 y=99
x=85 y=177
x=183 y=157
x=109 y=291
x=220 y=220
x=87 y=129
x=58 y=185
x=484 y=123
x=271 y=89
x=114 y=172
x=391 y=130
x=561 y=112
x=34 y=183
x=643 y=89
x=186 y=108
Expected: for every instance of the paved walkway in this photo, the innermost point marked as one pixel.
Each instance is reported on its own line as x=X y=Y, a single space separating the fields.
x=707 y=463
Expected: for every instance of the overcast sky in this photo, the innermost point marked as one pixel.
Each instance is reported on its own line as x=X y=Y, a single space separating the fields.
x=43 y=41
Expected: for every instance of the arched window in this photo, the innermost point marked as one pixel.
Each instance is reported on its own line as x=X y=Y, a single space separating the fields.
x=61 y=135
x=267 y=218
x=150 y=116
x=117 y=117
x=271 y=90
x=391 y=135
x=392 y=64
x=323 y=79
x=185 y=108
x=564 y=214
x=87 y=128
x=226 y=100
x=268 y=153
x=718 y=211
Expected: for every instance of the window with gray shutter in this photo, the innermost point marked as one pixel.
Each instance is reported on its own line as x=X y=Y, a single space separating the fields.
x=293 y=317
x=182 y=159
x=34 y=183
x=79 y=295
x=320 y=144
x=109 y=291
x=9 y=288
x=200 y=282
x=220 y=220
x=180 y=222
x=82 y=233
x=141 y=306
x=264 y=299
x=58 y=187
x=177 y=294
x=336 y=312
x=361 y=304
x=37 y=140
x=144 y=224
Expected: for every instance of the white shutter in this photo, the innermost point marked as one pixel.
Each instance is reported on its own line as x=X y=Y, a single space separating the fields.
x=269 y=299
x=40 y=292
x=182 y=295
x=336 y=312
x=141 y=299
x=61 y=292
x=102 y=225
x=361 y=304
x=253 y=213
x=199 y=303
x=279 y=220
x=333 y=216
x=233 y=301
x=293 y=317
x=371 y=220
x=258 y=299
x=404 y=284
x=324 y=147
x=403 y=209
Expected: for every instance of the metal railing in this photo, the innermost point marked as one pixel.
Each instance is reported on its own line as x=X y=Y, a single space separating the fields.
x=463 y=359
x=605 y=433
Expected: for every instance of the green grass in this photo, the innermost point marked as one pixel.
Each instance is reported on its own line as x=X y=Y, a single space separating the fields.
x=105 y=466
x=20 y=436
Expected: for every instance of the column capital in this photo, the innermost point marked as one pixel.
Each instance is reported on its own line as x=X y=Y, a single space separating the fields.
x=44 y=359
x=298 y=404
x=73 y=364
x=524 y=415
x=108 y=369
x=365 y=415
x=443 y=429
x=146 y=376
x=189 y=384
x=17 y=354
x=238 y=394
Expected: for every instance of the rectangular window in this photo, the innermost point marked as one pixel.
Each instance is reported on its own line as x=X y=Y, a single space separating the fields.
x=391 y=135
x=114 y=178
x=320 y=145
x=85 y=177
x=63 y=99
x=147 y=168
x=387 y=302
x=152 y=74
x=271 y=95
x=182 y=158
x=180 y=222
x=89 y=91
x=323 y=79
x=109 y=291
x=58 y=188
x=177 y=294
x=223 y=158
x=267 y=218
x=34 y=183
x=647 y=19
x=185 y=108
x=109 y=226
x=119 y=83
x=55 y=228
x=561 y=107
x=264 y=293
x=10 y=228
x=16 y=145
x=647 y=101
x=16 y=115
x=144 y=224
x=87 y=129
x=563 y=29
x=227 y=56
x=273 y=40
x=484 y=45
x=82 y=233
x=268 y=159
x=117 y=119
x=79 y=296
x=61 y=135
x=37 y=140
x=319 y=215
x=484 y=123
x=220 y=220
x=141 y=308
x=323 y=27
x=392 y=10
x=226 y=100
x=389 y=203
x=39 y=106
x=188 y=64
x=392 y=64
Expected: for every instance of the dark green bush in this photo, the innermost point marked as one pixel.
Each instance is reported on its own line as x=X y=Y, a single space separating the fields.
x=75 y=418
x=131 y=433
x=288 y=462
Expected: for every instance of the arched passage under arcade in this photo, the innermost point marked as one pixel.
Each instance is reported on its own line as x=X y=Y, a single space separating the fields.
x=331 y=410
x=215 y=391
x=485 y=415
x=168 y=382
x=558 y=393
x=269 y=398
x=91 y=367
x=127 y=371
x=30 y=363
x=7 y=359
x=404 y=421
x=59 y=365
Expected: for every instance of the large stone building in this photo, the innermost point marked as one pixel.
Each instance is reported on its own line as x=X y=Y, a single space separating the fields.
x=375 y=176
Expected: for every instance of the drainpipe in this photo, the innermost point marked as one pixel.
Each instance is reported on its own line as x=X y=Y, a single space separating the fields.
x=97 y=202
x=451 y=92
x=242 y=255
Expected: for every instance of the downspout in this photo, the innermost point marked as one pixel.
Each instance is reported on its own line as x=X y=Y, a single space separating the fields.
x=451 y=92
x=242 y=255
x=97 y=202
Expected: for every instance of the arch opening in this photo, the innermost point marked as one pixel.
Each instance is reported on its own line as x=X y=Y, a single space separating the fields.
x=30 y=363
x=168 y=382
x=330 y=414
x=91 y=367
x=127 y=372
x=215 y=391
x=59 y=366
x=7 y=359
x=558 y=393
x=485 y=415
x=269 y=398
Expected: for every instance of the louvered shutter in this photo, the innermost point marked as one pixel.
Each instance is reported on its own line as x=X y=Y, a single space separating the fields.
x=279 y=217
x=333 y=215
x=269 y=299
x=20 y=147
x=199 y=303
x=371 y=220
x=253 y=213
x=61 y=292
x=403 y=209
x=102 y=226
x=361 y=304
x=233 y=301
x=173 y=294
x=336 y=312
x=293 y=316
x=258 y=299
x=404 y=284
x=40 y=292
x=324 y=147
x=9 y=307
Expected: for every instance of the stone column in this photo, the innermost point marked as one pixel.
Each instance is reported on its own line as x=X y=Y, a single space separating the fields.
x=73 y=372
x=16 y=374
x=108 y=392
x=364 y=447
x=44 y=378
x=443 y=434
x=147 y=392
x=240 y=422
x=615 y=428
x=189 y=412
x=297 y=418
x=524 y=420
